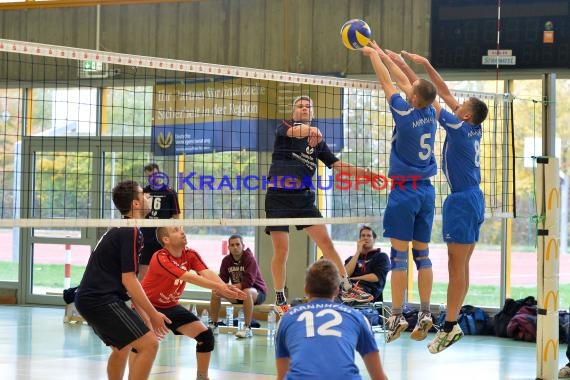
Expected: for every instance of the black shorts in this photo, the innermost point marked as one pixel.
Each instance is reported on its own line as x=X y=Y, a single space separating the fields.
x=282 y=203
x=149 y=248
x=179 y=316
x=116 y=324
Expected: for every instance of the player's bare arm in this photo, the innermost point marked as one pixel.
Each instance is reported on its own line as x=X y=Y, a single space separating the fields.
x=439 y=83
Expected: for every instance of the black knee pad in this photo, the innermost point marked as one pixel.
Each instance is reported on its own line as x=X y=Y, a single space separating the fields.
x=205 y=341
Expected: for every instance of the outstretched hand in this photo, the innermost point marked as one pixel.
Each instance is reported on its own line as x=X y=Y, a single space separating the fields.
x=416 y=58
x=232 y=292
x=367 y=51
x=378 y=49
x=395 y=57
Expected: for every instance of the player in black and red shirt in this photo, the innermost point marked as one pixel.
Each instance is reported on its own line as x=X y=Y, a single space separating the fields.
x=164 y=283
x=110 y=280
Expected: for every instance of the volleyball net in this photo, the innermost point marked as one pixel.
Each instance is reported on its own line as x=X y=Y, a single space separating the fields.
x=75 y=122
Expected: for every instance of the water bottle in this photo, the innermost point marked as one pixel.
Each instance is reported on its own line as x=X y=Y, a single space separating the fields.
x=194 y=310
x=241 y=319
x=229 y=316
x=271 y=322
x=205 y=317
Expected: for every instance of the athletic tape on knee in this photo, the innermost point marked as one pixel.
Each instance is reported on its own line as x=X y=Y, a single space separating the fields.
x=398 y=260
x=205 y=341
x=421 y=258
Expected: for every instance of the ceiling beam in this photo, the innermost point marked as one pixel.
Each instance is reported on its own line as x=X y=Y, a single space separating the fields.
x=81 y=3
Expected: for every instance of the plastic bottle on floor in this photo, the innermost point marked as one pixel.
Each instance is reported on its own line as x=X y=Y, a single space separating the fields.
x=241 y=319
x=271 y=323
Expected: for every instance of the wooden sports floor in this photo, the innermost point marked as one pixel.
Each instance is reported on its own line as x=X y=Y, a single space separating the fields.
x=36 y=344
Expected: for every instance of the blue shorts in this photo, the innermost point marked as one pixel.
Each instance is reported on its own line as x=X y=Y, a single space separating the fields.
x=409 y=212
x=463 y=214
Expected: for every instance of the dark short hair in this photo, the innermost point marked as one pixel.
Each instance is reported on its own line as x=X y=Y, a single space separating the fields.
x=369 y=229
x=124 y=194
x=151 y=167
x=426 y=91
x=322 y=279
x=236 y=236
x=479 y=110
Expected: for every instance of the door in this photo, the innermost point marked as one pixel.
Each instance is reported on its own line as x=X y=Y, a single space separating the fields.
x=70 y=178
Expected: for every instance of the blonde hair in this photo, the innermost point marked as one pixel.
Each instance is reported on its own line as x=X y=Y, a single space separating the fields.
x=307 y=98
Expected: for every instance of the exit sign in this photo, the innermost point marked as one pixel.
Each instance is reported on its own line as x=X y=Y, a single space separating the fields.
x=92 y=69
x=92 y=66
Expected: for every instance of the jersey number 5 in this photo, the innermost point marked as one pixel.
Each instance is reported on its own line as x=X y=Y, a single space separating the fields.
x=426 y=152
x=327 y=328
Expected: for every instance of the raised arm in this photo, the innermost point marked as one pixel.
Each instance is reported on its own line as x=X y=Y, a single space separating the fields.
x=437 y=80
x=401 y=63
x=401 y=79
x=381 y=71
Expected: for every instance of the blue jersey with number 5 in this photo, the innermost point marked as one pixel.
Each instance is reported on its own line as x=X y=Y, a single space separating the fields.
x=412 y=140
x=320 y=338
x=461 y=152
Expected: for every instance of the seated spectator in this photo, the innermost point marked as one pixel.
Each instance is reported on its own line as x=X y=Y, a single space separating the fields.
x=369 y=266
x=242 y=270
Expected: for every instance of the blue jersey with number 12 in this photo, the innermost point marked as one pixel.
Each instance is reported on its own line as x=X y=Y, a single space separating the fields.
x=461 y=152
x=412 y=140
x=320 y=338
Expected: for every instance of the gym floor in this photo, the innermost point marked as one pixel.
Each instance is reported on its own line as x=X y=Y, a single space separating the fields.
x=36 y=344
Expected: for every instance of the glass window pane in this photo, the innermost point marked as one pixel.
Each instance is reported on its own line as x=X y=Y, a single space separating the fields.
x=127 y=111
x=64 y=112
x=10 y=137
x=49 y=271
x=528 y=134
x=119 y=166
x=563 y=133
x=62 y=189
x=208 y=194
x=9 y=254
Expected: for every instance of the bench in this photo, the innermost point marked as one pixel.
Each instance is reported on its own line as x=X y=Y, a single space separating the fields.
x=260 y=312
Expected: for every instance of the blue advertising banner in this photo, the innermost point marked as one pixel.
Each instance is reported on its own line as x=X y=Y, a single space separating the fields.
x=233 y=115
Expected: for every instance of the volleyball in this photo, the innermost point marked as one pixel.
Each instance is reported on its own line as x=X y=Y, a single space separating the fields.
x=355 y=34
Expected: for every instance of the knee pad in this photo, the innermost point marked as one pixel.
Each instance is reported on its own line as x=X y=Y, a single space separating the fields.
x=421 y=258
x=205 y=341
x=398 y=260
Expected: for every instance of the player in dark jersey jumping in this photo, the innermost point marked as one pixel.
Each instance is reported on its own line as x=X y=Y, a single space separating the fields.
x=297 y=148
